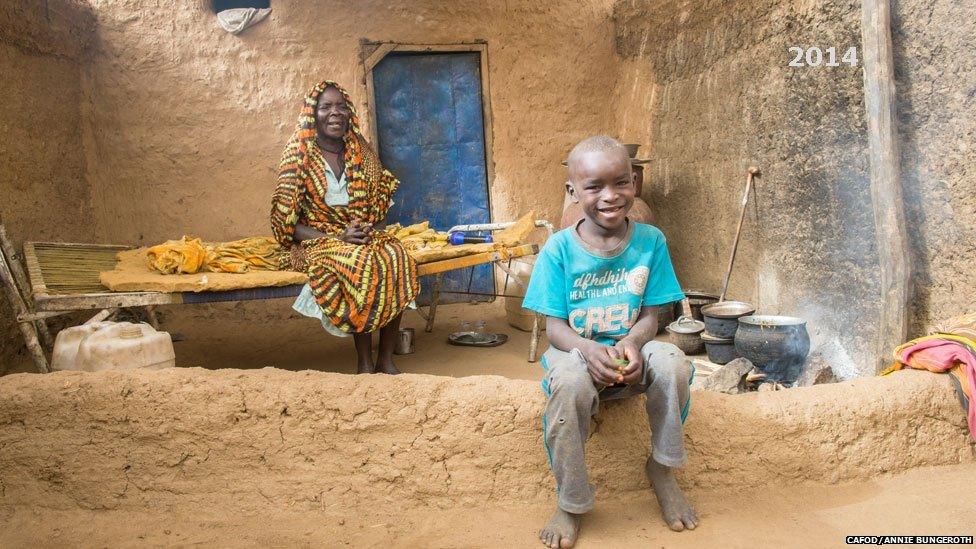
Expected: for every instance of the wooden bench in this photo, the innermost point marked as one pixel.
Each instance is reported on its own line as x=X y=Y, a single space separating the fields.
x=59 y=289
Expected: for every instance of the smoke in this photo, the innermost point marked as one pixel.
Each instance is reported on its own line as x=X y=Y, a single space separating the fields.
x=823 y=323
x=827 y=342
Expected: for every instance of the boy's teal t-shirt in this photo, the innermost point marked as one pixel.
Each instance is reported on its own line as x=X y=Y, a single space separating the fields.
x=600 y=293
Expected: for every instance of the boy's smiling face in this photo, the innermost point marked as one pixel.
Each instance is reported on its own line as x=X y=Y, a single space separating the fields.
x=603 y=184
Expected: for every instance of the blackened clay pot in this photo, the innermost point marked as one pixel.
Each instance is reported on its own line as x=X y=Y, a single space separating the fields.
x=720 y=351
x=721 y=319
x=777 y=345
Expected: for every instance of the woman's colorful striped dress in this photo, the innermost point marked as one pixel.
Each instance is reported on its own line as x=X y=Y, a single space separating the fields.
x=359 y=287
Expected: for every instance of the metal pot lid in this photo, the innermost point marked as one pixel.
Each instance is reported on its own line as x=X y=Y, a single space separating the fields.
x=772 y=320
x=728 y=309
x=686 y=325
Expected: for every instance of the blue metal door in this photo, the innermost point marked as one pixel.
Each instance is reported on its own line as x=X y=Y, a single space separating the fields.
x=431 y=133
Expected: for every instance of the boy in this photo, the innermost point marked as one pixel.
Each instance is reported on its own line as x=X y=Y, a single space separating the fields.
x=599 y=284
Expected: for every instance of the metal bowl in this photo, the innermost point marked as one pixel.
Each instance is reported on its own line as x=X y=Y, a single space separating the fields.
x=772 y=320
x=728 y=309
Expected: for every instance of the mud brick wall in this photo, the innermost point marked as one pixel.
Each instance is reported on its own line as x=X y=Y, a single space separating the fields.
x=140 y=440
x=183 y=124
x=192 y=120
x=725 y=97
x=935 y=68
x=132 y=122
x=43 y=191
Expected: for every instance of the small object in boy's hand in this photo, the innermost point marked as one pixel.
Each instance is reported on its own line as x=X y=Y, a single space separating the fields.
x=621 y=366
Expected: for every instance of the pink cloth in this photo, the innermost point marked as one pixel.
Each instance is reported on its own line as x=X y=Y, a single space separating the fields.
x=942 y=355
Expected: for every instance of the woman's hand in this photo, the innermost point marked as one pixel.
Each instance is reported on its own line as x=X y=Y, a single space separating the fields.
x=304 y=232
x=357 y=232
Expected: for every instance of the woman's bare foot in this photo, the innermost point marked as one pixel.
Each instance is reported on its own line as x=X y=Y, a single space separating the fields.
x=365 y=368
x=387 y=367
x=675 y=509
x=561 y=530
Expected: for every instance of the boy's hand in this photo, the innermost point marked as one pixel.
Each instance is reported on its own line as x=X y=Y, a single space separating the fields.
x=629 y=350
x=600 y=363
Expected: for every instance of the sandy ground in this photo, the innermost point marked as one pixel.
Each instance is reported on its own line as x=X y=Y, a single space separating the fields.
x=258 y=334
x=230 y=335
x=931 y=501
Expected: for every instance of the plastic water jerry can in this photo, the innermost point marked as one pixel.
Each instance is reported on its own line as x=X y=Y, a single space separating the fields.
x=112 y=346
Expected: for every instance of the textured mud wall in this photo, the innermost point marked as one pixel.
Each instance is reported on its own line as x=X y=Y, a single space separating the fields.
x=723 y=96
x=188 y=122
x=42 y=162
x=162 y=440
x=935 y=66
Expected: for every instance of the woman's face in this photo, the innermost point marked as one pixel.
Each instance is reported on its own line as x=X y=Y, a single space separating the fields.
x=332 y=114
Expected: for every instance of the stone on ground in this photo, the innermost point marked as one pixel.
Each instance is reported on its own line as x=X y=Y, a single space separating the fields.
x=730 y=378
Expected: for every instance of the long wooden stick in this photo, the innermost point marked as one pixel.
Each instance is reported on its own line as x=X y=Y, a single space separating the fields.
x=886 y=192
x=101 y=315
x=20 y=278
x=151 y=316
x=27 y=327
x=738 y=230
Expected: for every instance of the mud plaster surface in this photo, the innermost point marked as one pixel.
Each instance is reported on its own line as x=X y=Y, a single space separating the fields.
x=199 y=154
x=42 y=164
x=723 y=97
x=935 y=67
x=310 y=440
x=182 y=124
x=249 y=336
x=191 y=455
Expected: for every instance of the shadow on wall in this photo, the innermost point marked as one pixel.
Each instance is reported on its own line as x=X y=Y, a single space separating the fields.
x=43 y=49
x=937 y=125
x=725 y=97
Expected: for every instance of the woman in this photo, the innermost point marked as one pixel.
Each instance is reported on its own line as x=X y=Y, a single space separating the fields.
x=360 y=279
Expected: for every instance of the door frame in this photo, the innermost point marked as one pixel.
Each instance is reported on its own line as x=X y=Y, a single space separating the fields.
x=371 y=53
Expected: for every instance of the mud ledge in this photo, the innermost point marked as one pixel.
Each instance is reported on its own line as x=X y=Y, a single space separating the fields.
x=183 y=437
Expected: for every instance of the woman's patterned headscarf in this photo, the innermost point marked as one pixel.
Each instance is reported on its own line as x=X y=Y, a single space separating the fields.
x=370 y=186
x=360 y=287
x=307 y=128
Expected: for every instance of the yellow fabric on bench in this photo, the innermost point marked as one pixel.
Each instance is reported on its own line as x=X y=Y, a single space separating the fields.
x=190 y=255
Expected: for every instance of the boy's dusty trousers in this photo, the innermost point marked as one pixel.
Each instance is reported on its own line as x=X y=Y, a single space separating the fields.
x=574 y=399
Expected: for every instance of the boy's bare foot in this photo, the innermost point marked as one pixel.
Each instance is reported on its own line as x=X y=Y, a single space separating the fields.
x=387 y=368
x=365 y=368
x=675 y=509
x=561 y=530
